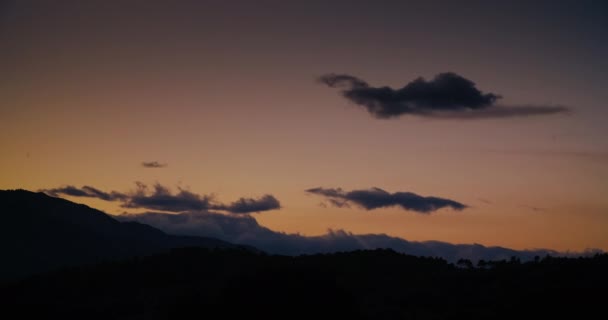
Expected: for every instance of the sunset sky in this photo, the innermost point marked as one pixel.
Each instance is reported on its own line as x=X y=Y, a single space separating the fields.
x=243 y=99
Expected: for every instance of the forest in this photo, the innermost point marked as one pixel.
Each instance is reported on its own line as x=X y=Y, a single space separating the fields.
x=374 y=284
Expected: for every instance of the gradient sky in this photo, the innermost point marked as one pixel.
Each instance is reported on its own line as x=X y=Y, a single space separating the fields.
x=226 y=94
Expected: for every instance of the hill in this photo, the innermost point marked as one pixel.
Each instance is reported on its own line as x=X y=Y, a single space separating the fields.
x=40 y=233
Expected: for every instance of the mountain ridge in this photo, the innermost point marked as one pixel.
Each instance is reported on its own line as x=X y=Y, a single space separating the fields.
x=40 y=233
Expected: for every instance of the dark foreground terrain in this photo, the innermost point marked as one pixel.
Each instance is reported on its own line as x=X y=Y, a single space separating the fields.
x=380 y=284
x=39 y=233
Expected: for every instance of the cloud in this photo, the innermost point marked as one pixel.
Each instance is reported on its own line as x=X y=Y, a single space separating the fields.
x=504 y=112
x=533 y=208
x=153 y=164
x=484 y=201
x=244 y=229
x=249 y=205
x=112 y=196
x=375 y=198
x=447 y=95
x=595 y=155
x=161 y=198
x=85 y=191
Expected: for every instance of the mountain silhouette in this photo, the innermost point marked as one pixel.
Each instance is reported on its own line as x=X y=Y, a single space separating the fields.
x=40 y=233
x=147 y=274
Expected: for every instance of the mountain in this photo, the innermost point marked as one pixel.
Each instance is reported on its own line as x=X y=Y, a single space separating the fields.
x=246 y=230
x=147 y=274
x=40 y=233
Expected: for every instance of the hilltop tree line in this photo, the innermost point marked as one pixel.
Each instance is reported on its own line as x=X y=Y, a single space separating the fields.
x=378 y=284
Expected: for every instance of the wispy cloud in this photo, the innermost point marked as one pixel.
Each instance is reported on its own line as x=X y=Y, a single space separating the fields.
x=596 y=155
x=486 y=201
x=533 y=208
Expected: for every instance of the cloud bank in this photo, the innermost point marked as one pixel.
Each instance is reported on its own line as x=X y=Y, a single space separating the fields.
x=161 y=198
x=447 y=95
x=375 y=198
x=244 y=229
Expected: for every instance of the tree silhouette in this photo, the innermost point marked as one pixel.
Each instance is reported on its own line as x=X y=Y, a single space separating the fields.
x=465 y=263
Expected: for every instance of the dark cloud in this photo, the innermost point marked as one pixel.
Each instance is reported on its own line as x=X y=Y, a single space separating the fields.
x=484 y=201
x=244 y=229
x=249 y=205
x=161 y=198
x=112 y=196
x=377 y=198
x=448 y=95
x=533 y=208
x=504 y=112
x=85 y=191
x=67 y=190
x=340 y=203
x=153 y=164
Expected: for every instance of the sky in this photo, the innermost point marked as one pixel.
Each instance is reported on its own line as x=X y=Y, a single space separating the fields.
x=463 y=122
